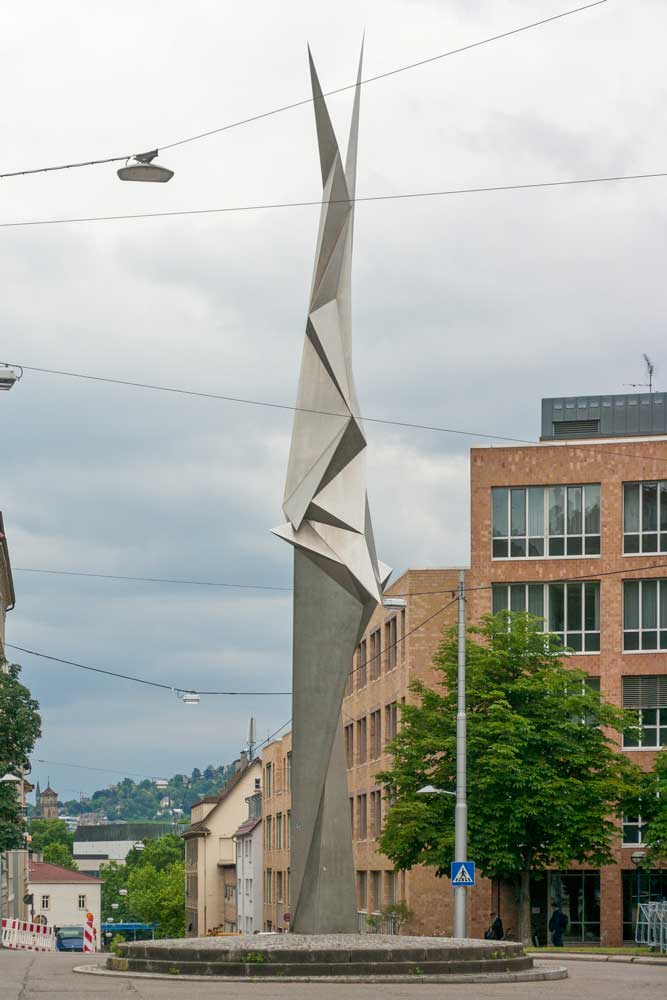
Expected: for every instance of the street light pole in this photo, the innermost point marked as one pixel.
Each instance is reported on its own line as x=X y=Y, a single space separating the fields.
x=461 y=809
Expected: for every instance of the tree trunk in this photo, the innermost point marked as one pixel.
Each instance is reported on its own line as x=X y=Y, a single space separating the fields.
x=525 y=930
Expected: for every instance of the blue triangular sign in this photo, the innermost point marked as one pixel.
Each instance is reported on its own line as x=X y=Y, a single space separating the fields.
x=463 y=873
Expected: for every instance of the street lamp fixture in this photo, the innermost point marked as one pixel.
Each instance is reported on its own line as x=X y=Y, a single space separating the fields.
x=189 y=697
x=144 y=169
x=6 y=778
x=432 y=790
x=8 y=378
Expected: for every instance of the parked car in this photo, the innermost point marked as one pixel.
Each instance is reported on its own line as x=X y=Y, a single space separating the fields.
x=69 y=939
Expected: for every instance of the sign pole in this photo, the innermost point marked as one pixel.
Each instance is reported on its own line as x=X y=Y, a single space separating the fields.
x=461 y=810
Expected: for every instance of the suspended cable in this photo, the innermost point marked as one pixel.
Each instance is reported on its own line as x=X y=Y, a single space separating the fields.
x=139 y=680
x=490 y=189
x=149 y=579
x=309 y=100
x=608 y=449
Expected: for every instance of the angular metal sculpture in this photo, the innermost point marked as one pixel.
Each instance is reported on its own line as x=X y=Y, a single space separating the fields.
x=337 y=578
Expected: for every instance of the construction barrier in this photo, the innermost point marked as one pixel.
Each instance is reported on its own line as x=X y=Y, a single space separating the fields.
x=89 y=933
x=25 y=936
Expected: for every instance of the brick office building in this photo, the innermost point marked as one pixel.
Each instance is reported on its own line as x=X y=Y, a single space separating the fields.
x=378 y=684
x=590 y=502
x=276 y=813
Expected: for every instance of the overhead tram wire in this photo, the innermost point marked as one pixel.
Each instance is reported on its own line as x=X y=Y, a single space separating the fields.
x=259 y=586
x=309 y=100
x=174 y=688
x=445 y=192
x=605 y=448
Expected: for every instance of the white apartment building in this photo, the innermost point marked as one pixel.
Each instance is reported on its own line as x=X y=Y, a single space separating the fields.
x=64 y=897
x=249 y=869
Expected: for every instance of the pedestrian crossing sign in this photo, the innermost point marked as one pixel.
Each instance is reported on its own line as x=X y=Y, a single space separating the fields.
x=463 y=873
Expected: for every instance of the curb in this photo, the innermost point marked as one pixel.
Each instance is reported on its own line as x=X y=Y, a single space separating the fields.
x=544 y=971
x=623 y=959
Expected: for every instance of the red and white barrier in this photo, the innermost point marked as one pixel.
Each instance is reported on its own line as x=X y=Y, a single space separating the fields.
x=25 y=936
x=89 y=933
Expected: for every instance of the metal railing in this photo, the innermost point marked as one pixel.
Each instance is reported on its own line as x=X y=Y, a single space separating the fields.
x=651 y=926
x=375 y=923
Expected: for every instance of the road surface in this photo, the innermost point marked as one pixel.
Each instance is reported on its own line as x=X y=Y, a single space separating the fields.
x=28 y=976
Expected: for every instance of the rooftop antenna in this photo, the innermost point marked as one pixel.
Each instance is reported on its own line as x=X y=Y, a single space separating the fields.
x=252 y=740
x=650 y=370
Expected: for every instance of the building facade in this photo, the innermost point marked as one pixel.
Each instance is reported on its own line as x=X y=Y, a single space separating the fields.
x=276 y=809
x=210 y=853
x=96 y=845
x=574 y=529
x=396 y=649
x=249 y=869
x=62 y=898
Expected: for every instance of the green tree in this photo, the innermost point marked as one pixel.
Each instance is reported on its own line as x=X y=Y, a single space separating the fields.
x=114 y=877
x=158 y=896
x=20 y=727
x=650 y=802
x=49 y=831
x=60 y=854
x=545 y=777
x=159 y=853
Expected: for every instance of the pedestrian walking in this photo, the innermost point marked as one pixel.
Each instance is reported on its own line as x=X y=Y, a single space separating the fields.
x=495 y=930
x=557 y=925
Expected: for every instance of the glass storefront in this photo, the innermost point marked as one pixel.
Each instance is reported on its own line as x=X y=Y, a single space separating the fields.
x=578 y=893
x=646 y=887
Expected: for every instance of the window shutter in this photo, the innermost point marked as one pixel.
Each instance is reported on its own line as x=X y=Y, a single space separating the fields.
x=648 y=691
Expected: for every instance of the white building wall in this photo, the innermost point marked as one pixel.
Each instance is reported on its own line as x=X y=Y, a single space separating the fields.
x=250 y=884
x=63 y=909
x=116 y=850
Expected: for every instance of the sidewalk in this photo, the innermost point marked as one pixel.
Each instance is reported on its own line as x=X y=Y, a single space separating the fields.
x=597 y=956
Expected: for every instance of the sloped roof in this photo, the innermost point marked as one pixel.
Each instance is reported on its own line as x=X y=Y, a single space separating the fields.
x=40 y=871
x=248 y=826
x=200 y=827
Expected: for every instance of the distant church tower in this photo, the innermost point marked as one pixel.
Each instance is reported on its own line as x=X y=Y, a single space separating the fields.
x=47 y=803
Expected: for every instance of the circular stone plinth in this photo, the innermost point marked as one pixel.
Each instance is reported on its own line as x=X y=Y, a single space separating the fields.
x=334 y=956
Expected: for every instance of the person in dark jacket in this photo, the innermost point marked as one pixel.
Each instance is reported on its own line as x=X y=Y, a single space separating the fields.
x=495 y=931
x=557 y=925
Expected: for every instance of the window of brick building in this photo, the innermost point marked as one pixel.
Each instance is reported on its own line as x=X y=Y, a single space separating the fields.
x=268 y=833
x=288 y=829
x=634 y=830
x=644 y=615
x=362 y=748
x=362 y=678
x=390 y=637
x=289 y=771
x=390 y=721
x=402 y=636
x=375 y=901
x=376 y=813
x=390 y=888
x=362 y=816
x=570 y=610
x=376 y=655
x=349 y=745
x=269 y=885
x=647 y=696
x=376 y=734
x=279 y=887
x=531 y=522
x=279 y=831
x=362 y=890
x=644 y=517
x=268 y=781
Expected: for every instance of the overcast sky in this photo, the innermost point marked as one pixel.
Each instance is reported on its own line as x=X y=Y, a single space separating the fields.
x=467 y=310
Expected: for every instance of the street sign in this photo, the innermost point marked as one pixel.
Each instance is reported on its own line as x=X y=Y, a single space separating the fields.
x=463 y=874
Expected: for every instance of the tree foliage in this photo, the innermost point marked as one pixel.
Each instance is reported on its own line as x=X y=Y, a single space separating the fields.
x=20 y=727
x=545 y=778
x=60 y=854
x=650 y=802
x=154 y=892
x=158 y=896
x=130 y=800
x=49 y=831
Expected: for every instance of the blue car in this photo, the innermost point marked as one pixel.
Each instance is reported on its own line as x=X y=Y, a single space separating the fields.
x=69 y=939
